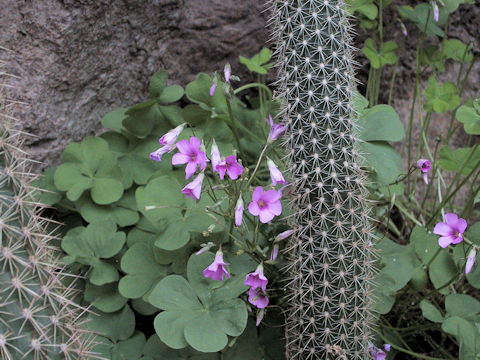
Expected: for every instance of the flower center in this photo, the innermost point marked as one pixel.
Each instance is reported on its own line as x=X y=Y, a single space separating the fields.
x=456 y=234
x=261 y=204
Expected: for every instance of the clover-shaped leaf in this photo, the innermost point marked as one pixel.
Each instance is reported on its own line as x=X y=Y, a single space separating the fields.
x=466 y=333
x=456 y=50
x=90 y=165
x=198 y=92
x=155 y=349
x=105 y=298
x=117 y=326
x=379 y=58
x=462 y=159
x=161 y=200
x=47 y=194
x=441 y=271
x=441 y=98
x=469 y=115
x=198 y=312
x=364 y=7
x=141 y=118
x=258 y=63
x=141 y=269
x=90 y=245
x=113 y=120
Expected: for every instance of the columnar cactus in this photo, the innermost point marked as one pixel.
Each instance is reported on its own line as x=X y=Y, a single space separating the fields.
x=330 y=257
x=38 y=319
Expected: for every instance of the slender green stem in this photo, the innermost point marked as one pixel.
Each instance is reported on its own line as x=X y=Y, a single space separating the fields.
x=234 y=128
x=260 y=158
x=396 y=347
x=257 y=84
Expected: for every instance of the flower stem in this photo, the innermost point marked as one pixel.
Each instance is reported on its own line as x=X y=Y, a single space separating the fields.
x=257 y=166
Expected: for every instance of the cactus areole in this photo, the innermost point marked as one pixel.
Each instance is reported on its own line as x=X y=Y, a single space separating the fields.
x=329 y=255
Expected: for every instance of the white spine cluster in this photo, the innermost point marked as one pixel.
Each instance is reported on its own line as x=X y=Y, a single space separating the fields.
x=330 y=259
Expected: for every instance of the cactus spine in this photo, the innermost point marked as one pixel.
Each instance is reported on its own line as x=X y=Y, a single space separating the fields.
x=38 y=319
x=330 y=258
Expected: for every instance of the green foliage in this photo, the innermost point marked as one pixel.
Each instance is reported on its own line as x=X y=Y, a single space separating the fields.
x=259 y=62
x=197 y=312
x=379 y=58
x=462 y=160
x=469 y=115
x=441 y=98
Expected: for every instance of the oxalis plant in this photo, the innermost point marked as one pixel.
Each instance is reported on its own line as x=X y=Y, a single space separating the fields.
x=238 y=226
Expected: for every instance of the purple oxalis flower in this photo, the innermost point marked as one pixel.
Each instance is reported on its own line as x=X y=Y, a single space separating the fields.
x=284 y=235
x=275 y=174
x=227 y=71
x=213 y=88
x=194 y=188
x=157 y=154
x=239 y=211
x=215 y=155
x=274 y=254
x=266 y=204
x=275 y=129
x=378 y=354
x=170 y=137
x=231 y=166
x=470 y=260
x=451 y=230
x=258 y=297
x=257 y=279
x=425 y=166
x=436 y=11
x=260 y=315
x=191 y=155
x=216 y=270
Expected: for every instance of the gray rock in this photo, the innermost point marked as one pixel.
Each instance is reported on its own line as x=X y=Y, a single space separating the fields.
x=75 y=60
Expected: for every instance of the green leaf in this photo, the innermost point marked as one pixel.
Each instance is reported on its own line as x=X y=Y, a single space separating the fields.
x=171 y=94
x=364 y=7
x=105 y=298
x=257 y=63
x=130 y=349
x=89 y=245
x=442 y=271
x=470 y=117
x=381 y=123
x=157 y=84
x=142 y=118
x=430 y=312
x=456 y=50
x=422 y=17
x=425 y=243
x=473 y=233
x=90 y=164
x=47 y=194
x=440 y=99
x=185 y=320
x=156 y=350
x=454 y=160
x=384 y=160
x=113 y=120
x=466 y=333
x=379 y=58
x=465 y=306
x=164 y=194
x=116 y=326
x=141 y=270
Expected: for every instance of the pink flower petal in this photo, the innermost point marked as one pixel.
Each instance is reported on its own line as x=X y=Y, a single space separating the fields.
x=257 y=193
x=275 y=208
x=451 y=219
x=272 y=195
x=190 y=169
x=457 y=239
x=442 y=229
x=179 y=158
x=194 y=144
x=265 y=216
x=183 y=146
x=253 y=209
x=461 y=225
x=444 y=241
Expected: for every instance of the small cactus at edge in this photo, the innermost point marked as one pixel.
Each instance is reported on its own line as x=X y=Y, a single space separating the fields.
x=330 y=259
x=38 y=319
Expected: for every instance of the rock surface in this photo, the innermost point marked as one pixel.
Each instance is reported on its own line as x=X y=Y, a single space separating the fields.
x=78 y=59
x=75 y=60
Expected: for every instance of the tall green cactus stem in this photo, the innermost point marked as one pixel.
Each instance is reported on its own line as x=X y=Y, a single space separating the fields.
x=38 y=319
x=330 y=264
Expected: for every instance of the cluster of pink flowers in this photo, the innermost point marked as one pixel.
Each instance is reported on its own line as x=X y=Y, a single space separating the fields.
x=258 y=286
